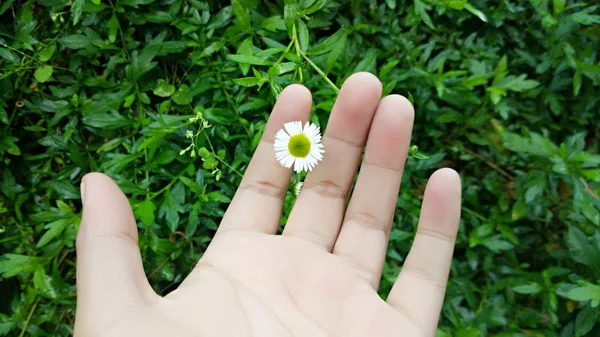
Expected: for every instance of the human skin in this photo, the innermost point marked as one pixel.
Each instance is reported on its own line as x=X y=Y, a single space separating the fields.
x=320 y=276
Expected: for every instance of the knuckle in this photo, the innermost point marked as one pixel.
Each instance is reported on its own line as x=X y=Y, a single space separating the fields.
x=327 y=188
x=264 y=187
x=369 y=220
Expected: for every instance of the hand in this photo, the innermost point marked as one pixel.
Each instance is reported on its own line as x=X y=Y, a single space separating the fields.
x=319 y=278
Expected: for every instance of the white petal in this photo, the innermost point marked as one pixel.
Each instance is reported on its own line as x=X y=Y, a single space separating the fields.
x=293 y=128
x=282 y=136
x=288 y=161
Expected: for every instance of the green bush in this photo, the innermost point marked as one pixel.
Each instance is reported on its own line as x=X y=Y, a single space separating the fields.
x=170 y=99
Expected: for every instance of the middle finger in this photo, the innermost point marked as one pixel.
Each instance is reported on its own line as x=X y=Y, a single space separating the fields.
x=319 y=210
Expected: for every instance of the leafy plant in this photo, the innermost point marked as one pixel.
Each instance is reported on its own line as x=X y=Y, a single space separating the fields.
x=171 y=98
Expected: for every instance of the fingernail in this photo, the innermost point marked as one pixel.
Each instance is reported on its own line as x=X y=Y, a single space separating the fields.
x=82 y=189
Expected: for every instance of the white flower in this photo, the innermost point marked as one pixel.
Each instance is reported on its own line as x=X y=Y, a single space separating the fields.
x=299 y=147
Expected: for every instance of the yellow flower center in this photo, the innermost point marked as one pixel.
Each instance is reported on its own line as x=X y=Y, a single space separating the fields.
x=299 y=146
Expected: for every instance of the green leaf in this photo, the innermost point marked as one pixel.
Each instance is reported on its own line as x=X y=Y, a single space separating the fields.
x=534 y=192
x=6 y=6
x=171 y=208
x=290 y=13
x=585 y=321
x=141 y=63
x=163 y=88
x=241 y=13
x=337 y=50
x=577 y=83
x=584 y=204
x=584 y=293
x=248 y=59
x=303 y=36
x=192 y=185
x=183 y=96
x=65 y=189
x=145 y=212
x=248 y=81
x=76 y=41
x=582 y=250
x=102 y=103
x=496 y=244
x=592 y=174
x=421 y=11
x=14 y=264
x=54 y=229
x=108 y=121
x=329 y=43
x=528 y=289
x=113 y=28
x=585 y=19
x=245 y=48
x=44 y=284
x=558 y=6
x=43 y=74
x=6 y=54
x=315 y=6
x=3 y=114
x=46 y=53
x=517 y=83
x=476 y=12
x=501 y=70
x=76 y=10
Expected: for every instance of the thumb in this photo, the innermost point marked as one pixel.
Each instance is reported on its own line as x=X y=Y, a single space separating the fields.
x=110 y=274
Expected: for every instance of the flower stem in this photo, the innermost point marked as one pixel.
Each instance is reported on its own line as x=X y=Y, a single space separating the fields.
x=320 y=72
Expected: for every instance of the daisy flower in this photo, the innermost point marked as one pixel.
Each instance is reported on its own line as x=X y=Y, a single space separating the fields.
x=299 y=146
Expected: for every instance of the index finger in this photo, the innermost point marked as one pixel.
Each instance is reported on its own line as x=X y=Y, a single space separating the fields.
x=258 y=202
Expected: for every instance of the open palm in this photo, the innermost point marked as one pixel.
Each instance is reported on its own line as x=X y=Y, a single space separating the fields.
x=320 y=277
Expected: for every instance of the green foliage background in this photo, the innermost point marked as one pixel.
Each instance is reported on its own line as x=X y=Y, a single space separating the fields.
x=505 y=91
